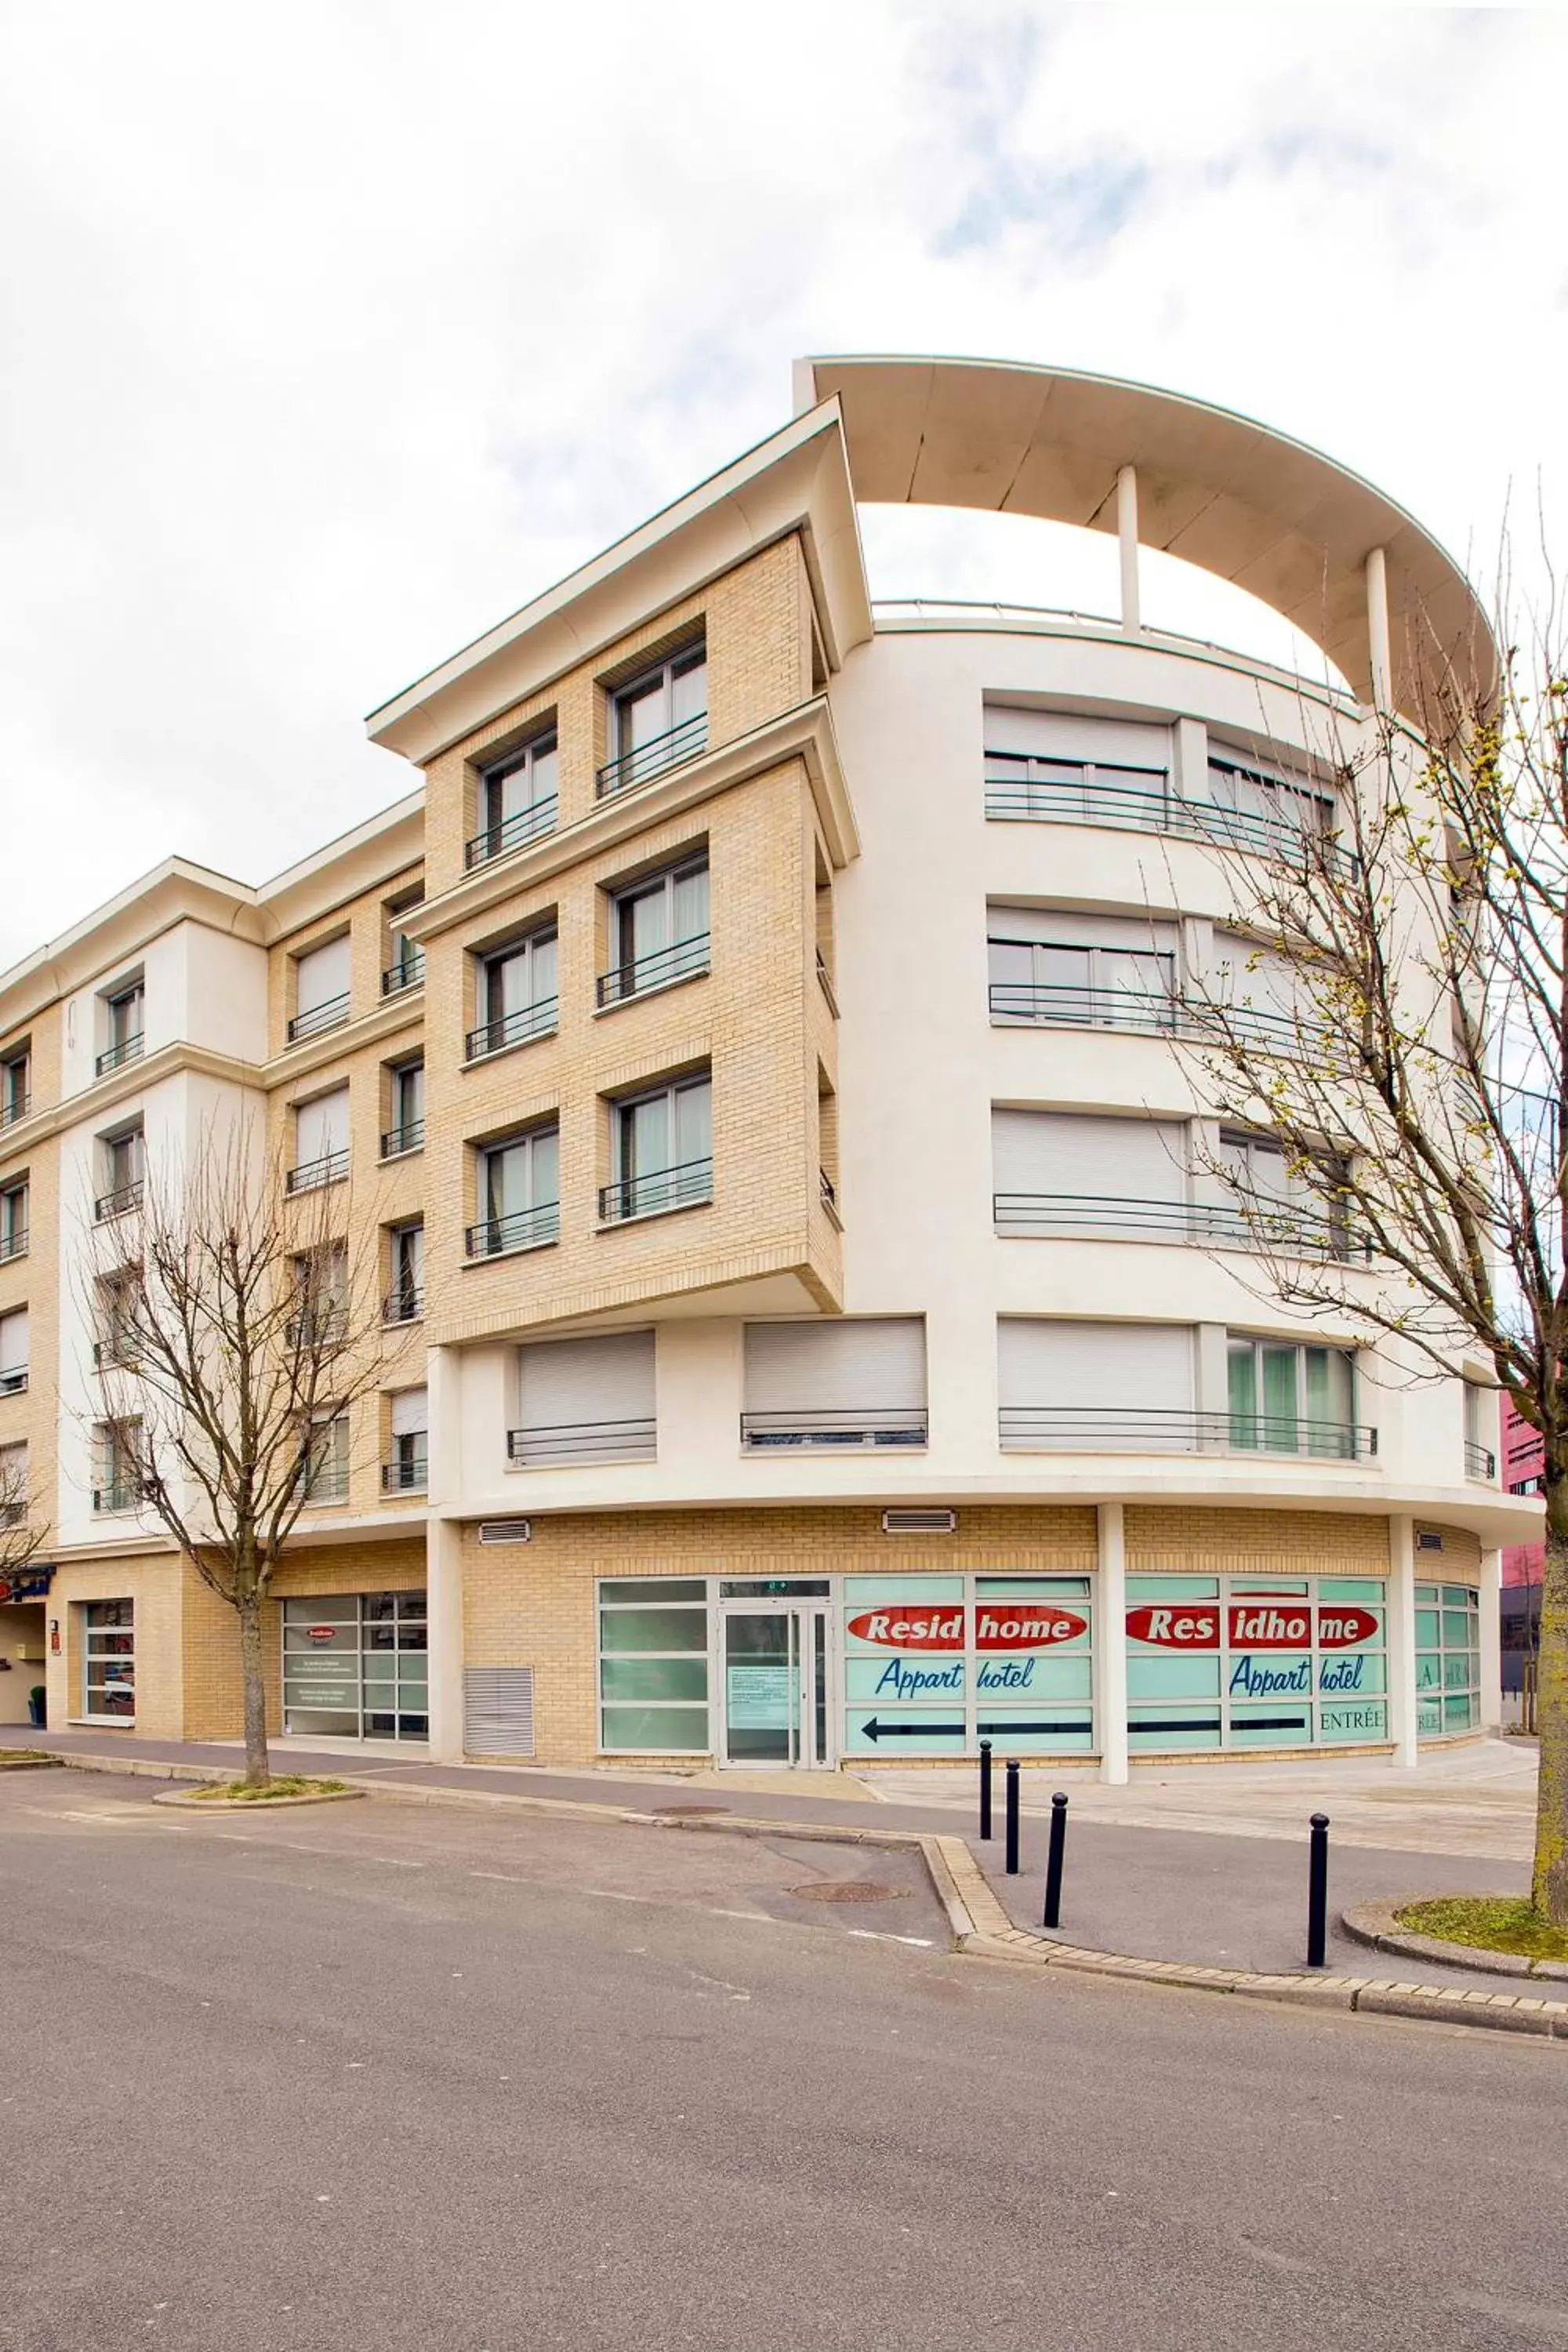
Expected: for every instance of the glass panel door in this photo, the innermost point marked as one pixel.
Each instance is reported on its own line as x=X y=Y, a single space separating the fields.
x=778 y=1705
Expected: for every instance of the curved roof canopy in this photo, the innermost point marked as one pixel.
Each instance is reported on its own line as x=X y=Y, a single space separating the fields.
x=1249 y=505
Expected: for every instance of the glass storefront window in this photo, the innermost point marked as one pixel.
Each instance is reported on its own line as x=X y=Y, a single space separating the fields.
x=356 y=1666
x=1255 y=1661
x=933 y=1665
x=653 y=1666
x=109 y=1661
x=1447 y=1659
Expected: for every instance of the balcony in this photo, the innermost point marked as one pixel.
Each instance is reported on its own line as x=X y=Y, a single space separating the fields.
x=827 y=1192
x=525 y=1229
x=825 y=982
x=12 y=1515
x=119 y=1202
x=1273 y=1225
x=14 y=1382
x=13 y=1107
x=652 y=757
x=404 y=1305
x=327 y=1482
x=333 y=1168
x=690 y=1186
x=686 y=959
x=399 y=1140
x=410 y=1477
x=115 y=1057
x=573 y=1442
x=119 y=1494
x=1139 y=800
x=115 y=1354
x=860 y=1432
x=1140 y=1012
x=12 y=1244
x=320 y=1017
x=1480 y=1461
x=523 y=825
x=322 y=1326
x=408 y=972
x=518 y=1028
x=1124 y=1429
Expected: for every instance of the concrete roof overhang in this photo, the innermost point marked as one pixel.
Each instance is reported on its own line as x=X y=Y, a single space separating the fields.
x=1246 y=504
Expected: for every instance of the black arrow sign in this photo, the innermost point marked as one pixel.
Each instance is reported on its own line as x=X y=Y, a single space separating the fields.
x=1001 y=1729
x=912 y=1730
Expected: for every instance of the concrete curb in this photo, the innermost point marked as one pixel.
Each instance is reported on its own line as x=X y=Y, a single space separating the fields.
x=198 y=1805
x=983 y=1927
x=1377 y=1923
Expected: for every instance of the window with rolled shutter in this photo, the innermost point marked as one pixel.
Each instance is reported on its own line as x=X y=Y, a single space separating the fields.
x=586 y=1400
x=859 y=1383
x=1060 y=1172
x=1096 y=1387
x=410 y=1412
x=321 y=1129
x=321 y=976
x=12 y=1352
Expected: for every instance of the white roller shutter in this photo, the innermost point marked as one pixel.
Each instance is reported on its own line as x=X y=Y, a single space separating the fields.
x=14 y=1341
x=321 y=1127
x=586 y=1399
x=1036 y=1151
x=1089 y=1386
x=410 y=1412
x=1247 y=975
x=1047 y=925
x=860 y=1383
x=1061 y=735
x=323 y=975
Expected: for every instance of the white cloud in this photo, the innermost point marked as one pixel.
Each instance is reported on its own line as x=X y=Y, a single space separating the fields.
x=329 y=335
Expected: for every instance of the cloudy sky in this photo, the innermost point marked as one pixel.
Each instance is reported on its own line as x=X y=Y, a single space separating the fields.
x=331 y=332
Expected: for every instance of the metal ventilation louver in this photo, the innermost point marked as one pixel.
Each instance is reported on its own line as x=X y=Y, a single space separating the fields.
x=919 y=1523
x=499 y=1531
x=498 y=1711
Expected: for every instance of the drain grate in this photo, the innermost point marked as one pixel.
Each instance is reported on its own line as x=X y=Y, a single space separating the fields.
x=848 y=1890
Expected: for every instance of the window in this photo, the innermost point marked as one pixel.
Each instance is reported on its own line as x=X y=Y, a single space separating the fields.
x=117 y=1294
x=857 y=1383
x=1012 y=1662
x=662 y=1151
x=1096 y=1388
x=1290 y=1399
x=406 y=1086
x=517 y=1000
x=122 y=1165
x=320 y=1321
x=658 y=932
x=1273 y=1205
x=13 y=1222
x=14 y=1353
x=117 y=1447
x=658 y=720
x=1260 y=993
x=13 y=1491
x=1262 y=809
x=321 y=989
x=584 y=1400
x=1081 y=972
x=327 y=1458
x=1067 y=1172
x=405 y=965
x=356 y=1666
x=1480 y=1430
x=519 y=1193
x=407 y=1472
x=1046 y=765
x=1447 y=1659
x=405 y=1298
x=124 y=1011
x=15 y=1086
x=320 y=1141
x=653 y=1666
x=517 y=799
x=1250 y=1662
x=109 y=1661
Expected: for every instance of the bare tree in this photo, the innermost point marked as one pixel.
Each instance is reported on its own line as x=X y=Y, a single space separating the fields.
x=21 y=1536
x=239 y=1323
x=1401 y=1027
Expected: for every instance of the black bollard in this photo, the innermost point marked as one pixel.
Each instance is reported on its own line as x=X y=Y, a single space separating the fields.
x=1055 y=1858
x=1012 y=1817
x=1317 y=1894
x=984 y=1788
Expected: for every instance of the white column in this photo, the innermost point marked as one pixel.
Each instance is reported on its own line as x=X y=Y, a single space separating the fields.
x=1127 y=532
x=1401 y=1637
x=1377 y=628
x=1111 y=1644
x=1491 y=1643
x=443 y=1556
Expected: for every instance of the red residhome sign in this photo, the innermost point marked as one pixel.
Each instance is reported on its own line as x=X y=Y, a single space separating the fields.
x=1252 y=1625
x=320 y=1633
x=1027 y=1626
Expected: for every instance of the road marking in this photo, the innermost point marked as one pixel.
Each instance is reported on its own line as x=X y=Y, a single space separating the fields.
x=874 y=1936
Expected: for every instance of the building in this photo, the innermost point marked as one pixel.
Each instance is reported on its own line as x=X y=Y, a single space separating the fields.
x=810 y=1333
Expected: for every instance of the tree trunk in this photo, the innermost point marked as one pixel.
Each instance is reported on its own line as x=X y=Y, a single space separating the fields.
x=256 y=1770
x=1550 y=1878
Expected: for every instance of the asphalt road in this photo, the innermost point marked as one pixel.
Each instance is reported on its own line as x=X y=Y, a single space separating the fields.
x=361 y=2079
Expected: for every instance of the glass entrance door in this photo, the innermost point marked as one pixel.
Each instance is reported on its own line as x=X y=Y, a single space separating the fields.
x=776 y=1660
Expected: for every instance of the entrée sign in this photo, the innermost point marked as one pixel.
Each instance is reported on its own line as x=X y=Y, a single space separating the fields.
x=1253 y=1625
x=1037 y=1626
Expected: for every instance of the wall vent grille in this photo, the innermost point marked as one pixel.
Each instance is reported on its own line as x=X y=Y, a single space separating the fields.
x=499 y=1531
x=919 y=1523
x=498 y=1711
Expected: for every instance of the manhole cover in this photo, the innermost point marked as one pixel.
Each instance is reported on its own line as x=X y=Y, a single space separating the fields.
x=676 y=1812
x=848 y=1890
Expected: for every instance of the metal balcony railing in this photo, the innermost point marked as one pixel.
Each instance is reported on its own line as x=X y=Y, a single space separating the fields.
x=1139 y=800
x=409 y=971
x=115 y=1354
x=411 y=1477
x=13 y=1382
x=118 y=1494
x=582 y=1441
x=12 y=1515
x=327 y=1484
x=322 y=1326
x=684 y=959
x=115 y=1057
x=689 y=1186
x=397 y=1140
x=523 y=825
x=652 y=757
x=1143 y=1011
x=1219 y=1224
x=524 y=1229
x=1480 y=1461
x=333 y=1168
x=905 y=1425
x=825 y=982
x=518 y=1028
x=14 y=1243
x=15 y=1106
x=403 y=1305
x=119 y=1202
x=328 y=1015
x=828 y=1192
x=1129 y=1428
